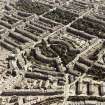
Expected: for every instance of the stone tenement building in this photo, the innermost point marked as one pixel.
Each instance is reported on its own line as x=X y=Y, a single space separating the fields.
x=52 y=52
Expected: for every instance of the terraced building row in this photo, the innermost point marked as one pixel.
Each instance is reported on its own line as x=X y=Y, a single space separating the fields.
x=54 y=53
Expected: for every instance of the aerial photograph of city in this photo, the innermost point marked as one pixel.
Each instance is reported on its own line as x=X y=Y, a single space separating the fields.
x=52 y=52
